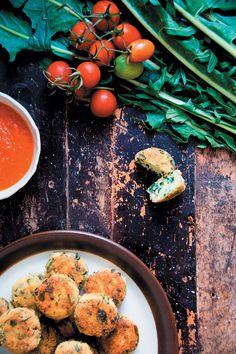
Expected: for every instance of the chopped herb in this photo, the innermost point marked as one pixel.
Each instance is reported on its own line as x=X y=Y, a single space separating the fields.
x=13 y=323
x=101 y=316
x=77 y=256
x=77 y=348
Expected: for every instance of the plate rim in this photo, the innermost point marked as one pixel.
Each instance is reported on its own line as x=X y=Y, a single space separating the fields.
x=137 y=270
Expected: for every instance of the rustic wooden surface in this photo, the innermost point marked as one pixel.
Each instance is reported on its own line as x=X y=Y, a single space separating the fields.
x=86 y=180
x=216 y=250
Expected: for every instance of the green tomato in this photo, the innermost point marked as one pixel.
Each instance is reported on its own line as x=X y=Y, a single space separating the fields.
x=127 y=70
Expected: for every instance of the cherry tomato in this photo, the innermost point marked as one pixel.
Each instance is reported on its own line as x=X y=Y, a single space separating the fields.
x=141 y=50
x=127 y=70
x=59 y=72
x=83 y=35
x=103 y=103
x=90 y=74
x=102 y=55
x=127 y=34
x=110 y=12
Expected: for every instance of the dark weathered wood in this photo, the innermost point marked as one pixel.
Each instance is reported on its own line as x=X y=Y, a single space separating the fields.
x=41 y=204
x=87 y=180
x=216 y=250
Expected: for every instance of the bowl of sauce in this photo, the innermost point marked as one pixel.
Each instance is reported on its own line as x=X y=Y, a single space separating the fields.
x=19 y=146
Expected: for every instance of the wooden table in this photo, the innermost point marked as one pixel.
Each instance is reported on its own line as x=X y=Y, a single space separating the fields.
x=86 y=180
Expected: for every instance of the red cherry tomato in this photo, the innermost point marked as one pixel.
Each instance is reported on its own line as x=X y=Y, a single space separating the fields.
x=90 y=74
x=141 y=50
x=102 y=52
x=83 y=35
x=127 y=34
x=103 y=103
x=110 y=12
x=59 y=72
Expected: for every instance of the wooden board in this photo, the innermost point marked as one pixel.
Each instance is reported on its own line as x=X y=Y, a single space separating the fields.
x=87 y=180
x=216 y=250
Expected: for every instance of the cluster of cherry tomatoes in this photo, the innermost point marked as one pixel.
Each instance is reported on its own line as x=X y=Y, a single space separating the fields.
x=106 y=43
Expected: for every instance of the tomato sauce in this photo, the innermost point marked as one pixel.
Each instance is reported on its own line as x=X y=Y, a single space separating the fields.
x=16 y=147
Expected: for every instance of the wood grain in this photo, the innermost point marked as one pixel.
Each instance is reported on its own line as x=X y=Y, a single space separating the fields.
x=86 y=180
x=216 y=250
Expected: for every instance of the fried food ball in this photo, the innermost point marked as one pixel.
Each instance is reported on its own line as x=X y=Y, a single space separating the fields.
x=109 y=282
x=20 y=330
x=95 y=315
x=23 y=291
x=156 y=160
x=74 y=347
x=167 y=188
x=124 y=339
x=57 y=297
x=69 y=264
x=4 y=305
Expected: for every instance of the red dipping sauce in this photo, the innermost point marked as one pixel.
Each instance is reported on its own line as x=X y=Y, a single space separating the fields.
x=16 y=147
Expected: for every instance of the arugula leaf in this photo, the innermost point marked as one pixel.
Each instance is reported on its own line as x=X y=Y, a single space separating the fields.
x=220 y=27
x=14 y=34
x=62 y=15
x=189 y=50
x=156 y=120
x=187 y=127
x=17 y=3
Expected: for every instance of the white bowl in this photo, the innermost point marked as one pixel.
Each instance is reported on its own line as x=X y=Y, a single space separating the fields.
x=9 y=101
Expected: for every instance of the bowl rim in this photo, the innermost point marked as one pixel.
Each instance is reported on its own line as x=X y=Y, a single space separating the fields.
x=116 y=253
x=22 y=111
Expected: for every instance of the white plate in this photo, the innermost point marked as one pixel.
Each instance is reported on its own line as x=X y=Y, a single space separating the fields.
x=145 y=303
x=135 y=305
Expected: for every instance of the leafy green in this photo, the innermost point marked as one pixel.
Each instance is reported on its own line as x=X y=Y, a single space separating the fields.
x=17 y=3
x=191 y=51
x=179 y=116
x=60 y=17
x=220 y=27
x=173 y=100
x=17 y=35
x=181 y=127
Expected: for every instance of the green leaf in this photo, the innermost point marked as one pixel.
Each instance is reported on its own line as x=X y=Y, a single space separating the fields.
x=174 y=115
x=220 y=27
x=17 y=35
x=129 y=99
x=14 y=34
x=42 y=35
x=227 y=139
x=189 y=51
x=158 y=84
x=59 y=48
x=228 y=106
x=156 y=120
x=17 y=3
x=62 y=14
